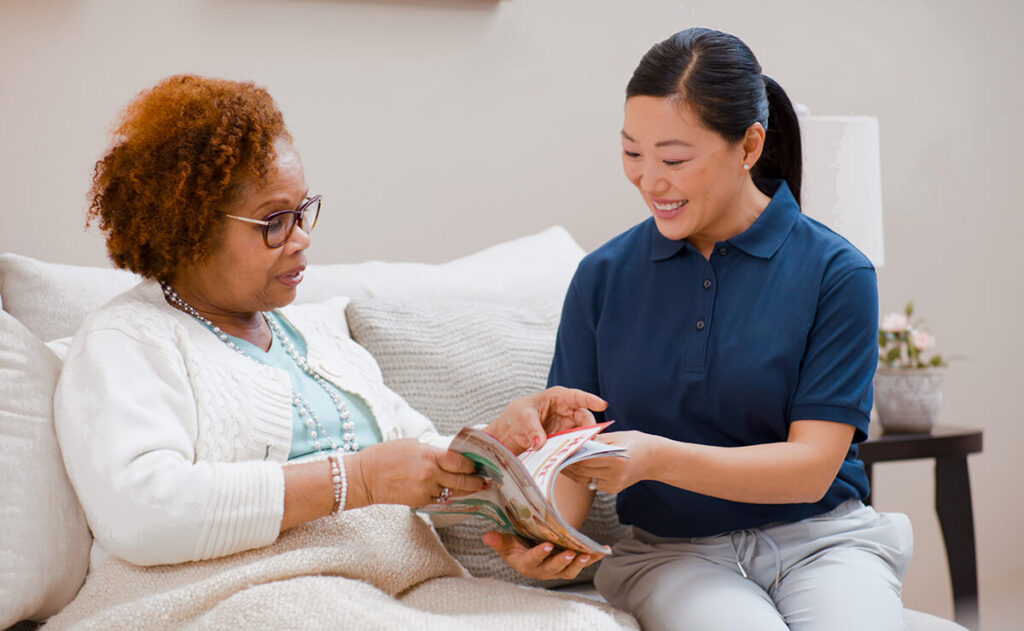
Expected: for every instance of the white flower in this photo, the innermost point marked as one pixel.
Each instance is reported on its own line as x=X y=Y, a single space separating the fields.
x=922 y=341
x=895 y=323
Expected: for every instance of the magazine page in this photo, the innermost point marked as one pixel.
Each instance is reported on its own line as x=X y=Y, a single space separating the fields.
x=513 y=499
x=562 y=449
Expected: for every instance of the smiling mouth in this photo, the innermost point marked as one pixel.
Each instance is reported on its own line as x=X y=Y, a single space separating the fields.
x=668 y=206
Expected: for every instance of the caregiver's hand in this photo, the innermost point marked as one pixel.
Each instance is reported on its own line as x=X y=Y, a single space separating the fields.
x=614 y=474
x=526 y=422
x=543 y=561
x=407 y=472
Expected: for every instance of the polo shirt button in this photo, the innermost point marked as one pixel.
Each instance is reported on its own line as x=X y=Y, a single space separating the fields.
x=700 y=325
x=707 y=284
x=723 y=251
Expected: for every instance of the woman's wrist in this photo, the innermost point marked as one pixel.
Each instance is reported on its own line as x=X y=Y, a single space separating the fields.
x=657 y=454
x=308 y=492
x=358 y=495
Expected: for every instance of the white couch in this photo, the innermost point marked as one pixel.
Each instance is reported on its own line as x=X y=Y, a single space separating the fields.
x=458 y=340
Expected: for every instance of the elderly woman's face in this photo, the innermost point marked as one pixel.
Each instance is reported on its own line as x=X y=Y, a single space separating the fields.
x=243 y=275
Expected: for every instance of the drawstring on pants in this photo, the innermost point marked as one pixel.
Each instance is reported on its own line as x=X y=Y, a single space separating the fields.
x=746 y=547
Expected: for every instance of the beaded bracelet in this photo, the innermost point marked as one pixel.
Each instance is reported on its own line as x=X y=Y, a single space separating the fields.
x=340 y=482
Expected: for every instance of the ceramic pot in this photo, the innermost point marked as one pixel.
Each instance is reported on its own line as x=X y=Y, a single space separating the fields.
x=908 y=399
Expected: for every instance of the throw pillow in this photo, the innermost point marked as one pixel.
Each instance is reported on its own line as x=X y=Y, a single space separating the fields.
x=52 y=299
x=44 y=549
x=459 y=364
x=522 y=271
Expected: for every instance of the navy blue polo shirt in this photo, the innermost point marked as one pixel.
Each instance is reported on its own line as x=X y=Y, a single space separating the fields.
x=781 y=324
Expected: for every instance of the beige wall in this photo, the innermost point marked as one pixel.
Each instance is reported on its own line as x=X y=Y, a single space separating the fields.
x=435 y=127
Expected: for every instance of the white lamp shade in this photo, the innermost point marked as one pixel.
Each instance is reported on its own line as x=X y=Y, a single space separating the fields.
x=842 y=181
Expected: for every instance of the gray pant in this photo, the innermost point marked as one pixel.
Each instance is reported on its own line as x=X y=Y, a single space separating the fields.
x=838 y=570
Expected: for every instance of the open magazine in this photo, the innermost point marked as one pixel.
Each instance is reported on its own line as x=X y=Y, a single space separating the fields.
x=518 y=497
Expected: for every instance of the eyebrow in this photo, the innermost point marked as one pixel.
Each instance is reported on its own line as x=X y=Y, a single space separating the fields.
x=663 y=143
x=279 y=200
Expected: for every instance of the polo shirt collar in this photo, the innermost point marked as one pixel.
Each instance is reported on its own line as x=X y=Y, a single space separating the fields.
x=762 y=239
x=662 y=247
x=766 y=235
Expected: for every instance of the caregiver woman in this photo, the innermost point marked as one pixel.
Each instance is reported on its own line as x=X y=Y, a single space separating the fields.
x=735 y=341
x=198 y=416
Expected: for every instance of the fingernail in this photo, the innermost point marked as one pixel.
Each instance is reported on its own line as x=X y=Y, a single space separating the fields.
x=584 y=558
x=569 y=556
x=548 y=547
x=483 y=487
x=536 y=441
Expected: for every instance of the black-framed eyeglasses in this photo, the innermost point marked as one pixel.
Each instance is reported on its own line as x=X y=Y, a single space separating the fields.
x=277 y=227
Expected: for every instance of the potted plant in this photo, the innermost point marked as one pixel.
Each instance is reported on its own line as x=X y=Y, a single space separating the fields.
x=908 y=382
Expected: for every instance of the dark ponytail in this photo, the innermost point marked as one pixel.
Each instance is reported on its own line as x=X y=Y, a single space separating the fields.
x=719 y=77
x=782 y=156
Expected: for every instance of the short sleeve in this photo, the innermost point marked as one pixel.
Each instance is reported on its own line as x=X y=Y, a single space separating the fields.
x=574 y=364
x=841 y=354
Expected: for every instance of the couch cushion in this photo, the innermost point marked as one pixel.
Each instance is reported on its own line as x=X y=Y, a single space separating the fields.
x=460 y=363
x=52 y=299
x=44 y=548
x=521 y=271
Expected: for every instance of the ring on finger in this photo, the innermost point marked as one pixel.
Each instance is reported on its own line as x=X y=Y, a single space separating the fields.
x=592 y=485
x=446 y=495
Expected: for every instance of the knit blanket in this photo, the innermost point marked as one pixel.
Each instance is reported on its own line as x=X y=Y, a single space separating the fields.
x=380 y=567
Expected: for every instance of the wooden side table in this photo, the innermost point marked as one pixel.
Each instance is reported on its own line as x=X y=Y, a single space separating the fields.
x=949 y=446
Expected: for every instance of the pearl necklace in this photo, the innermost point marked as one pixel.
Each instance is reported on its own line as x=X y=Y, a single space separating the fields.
x=304 y=409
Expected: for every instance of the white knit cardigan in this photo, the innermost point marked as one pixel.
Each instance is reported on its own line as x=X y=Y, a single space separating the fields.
x=175 y=443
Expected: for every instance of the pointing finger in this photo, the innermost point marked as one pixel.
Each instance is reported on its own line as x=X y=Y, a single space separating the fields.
x=574 y=398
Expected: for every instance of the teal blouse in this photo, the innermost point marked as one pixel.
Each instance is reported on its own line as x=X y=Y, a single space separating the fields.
x=366 y=429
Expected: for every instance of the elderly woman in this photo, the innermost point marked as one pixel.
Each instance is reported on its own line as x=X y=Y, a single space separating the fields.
x=197 y=416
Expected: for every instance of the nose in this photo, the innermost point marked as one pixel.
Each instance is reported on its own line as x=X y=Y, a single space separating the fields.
x=651 y=180
x=299 y=240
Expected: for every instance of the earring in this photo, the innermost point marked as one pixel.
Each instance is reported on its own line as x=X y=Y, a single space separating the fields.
x=746 y=167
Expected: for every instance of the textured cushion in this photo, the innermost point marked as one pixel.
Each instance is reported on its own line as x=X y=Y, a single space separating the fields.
x=44 y=539
x=52 y=299
x=460 y=363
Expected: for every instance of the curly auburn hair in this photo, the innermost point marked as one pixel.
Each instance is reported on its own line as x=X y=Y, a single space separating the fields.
x=181 y=152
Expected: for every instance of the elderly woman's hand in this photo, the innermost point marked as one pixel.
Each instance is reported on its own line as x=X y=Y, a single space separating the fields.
x=527 y=421
x=542 y=561
x=407 y=472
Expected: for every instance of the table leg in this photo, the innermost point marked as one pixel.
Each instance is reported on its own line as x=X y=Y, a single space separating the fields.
x=871 y=483
x=953 y=505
